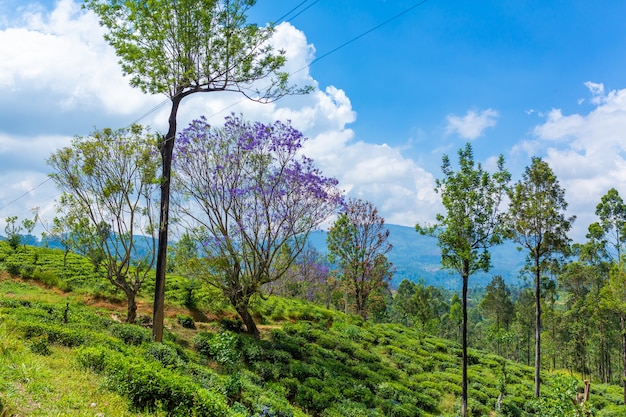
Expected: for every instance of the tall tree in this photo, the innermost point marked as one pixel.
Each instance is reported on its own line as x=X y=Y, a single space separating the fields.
x=611 y=233
x=182 y=47
x=109 y=182
x=358 y=242
x=253 y=199
x=612 y=213
x=538 y=223
x=472 y=224
x=615 y=300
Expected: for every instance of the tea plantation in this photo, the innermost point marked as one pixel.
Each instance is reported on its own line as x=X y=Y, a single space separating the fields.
x=64 y=352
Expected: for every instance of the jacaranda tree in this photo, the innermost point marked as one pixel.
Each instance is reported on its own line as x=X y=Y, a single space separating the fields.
x=252 y=199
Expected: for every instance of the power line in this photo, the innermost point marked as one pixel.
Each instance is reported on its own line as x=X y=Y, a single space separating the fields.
x=291 y=11
x=303 y=10
x=367 y=32
x=25 y=194
x=332 y=51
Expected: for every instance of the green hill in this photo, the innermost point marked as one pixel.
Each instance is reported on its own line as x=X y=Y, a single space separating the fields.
x=67 y=354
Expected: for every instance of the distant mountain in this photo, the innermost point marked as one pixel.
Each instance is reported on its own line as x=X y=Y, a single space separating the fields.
x=414 y=256
x=418 y=257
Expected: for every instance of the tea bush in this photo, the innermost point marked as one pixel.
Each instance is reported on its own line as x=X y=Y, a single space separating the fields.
x=131 y=334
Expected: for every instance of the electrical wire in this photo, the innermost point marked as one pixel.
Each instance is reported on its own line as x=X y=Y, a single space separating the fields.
x=25 y=194
x=332 y=51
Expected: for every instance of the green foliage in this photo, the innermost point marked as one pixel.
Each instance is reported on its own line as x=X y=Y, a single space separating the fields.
x=151 y=387
x=131 y=334
x=334 y=365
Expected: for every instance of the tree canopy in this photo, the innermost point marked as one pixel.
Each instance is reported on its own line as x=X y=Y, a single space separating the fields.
x=252 y=200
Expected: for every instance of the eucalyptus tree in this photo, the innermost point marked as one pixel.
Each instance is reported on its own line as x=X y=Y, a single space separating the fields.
x=472 y=198
x=538 y=224
x=358 y=242
x=182 y=47
x=614 y=299
x=612 y=226
x=110 y=182
x=610 y=235
x=252 y=200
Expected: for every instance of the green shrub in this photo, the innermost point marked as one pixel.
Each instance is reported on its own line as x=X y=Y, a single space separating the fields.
x=202 y=343
x=39 y=345
x=613 y=411
x=150 y=387
x=13 y=267
x=224 y=348
x=131 y=334
x=165 y=354
x=186 y=321
x=91 y=357
x=510 y=409
x=55 y=334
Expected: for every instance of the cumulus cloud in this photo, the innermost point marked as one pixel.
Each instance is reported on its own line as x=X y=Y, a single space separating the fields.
x=586 y=151
x=473 y=124
x=57 y=70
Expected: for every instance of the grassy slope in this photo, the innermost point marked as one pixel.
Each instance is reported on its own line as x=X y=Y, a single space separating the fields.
x=311 y=361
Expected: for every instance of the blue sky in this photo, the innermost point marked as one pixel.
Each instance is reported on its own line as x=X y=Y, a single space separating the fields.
x=516 y=78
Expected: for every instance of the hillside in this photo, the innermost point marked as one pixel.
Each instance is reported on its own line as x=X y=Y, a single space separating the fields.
x=418 y=257
x=66 y=353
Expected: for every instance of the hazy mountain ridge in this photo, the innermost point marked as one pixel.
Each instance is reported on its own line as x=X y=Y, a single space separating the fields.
x=418 y=257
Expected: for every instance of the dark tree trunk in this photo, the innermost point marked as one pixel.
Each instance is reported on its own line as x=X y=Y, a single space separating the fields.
x=167 y=151
x=131 y=308
x=464 y=348
x=247 y=319
x=537 y=328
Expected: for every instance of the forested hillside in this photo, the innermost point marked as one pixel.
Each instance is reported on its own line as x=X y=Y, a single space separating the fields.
x=64 y=351
x=417 y=257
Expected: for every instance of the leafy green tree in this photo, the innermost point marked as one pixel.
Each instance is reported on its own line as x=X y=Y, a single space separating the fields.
x=358 y=242
x=453 y=320
x=537 y=222
x=252 y=199
x=12 y=231
x=498 y=305
x=109 y=182
x=182 y=47
x=612 y=213
x=402 y=308
x=615 y=300
x=473 y=223
x=524 y=324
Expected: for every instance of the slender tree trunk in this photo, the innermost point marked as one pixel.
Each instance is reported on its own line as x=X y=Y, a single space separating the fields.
x=537 y=328
x=464 y=348
x=131 y=307
x=167 y=150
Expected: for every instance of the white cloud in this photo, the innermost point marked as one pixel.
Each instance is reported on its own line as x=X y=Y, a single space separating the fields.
x=71 y=82
x=587 y=152
x=597 y=91
x=473 y=124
